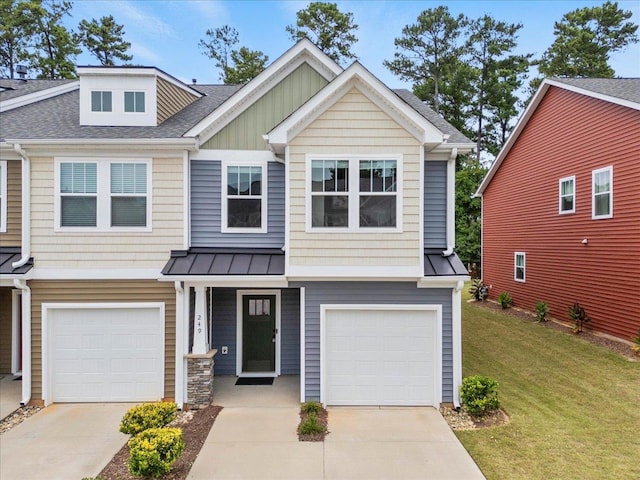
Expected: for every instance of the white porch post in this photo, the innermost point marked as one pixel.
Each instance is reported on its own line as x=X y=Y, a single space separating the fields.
x=200 y=334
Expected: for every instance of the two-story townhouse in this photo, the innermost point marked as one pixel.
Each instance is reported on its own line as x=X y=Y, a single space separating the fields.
x=299 y=225
x=560 y=205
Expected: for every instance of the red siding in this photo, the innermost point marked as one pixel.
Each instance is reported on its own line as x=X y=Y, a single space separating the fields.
x=569 y=134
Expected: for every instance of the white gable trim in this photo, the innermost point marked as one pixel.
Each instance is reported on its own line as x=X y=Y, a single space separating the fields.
x=301 y=52
x=528 y=113
x=38 y=96
x=356 y=76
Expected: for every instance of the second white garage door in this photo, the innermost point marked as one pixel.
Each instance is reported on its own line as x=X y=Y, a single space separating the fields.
x=106 y=354
x=381 y=356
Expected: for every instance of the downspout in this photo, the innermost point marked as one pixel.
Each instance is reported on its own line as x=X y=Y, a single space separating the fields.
x=456 y=330
x=26 y=207
x=180 y=360
x=26 y=339
x=451 y=201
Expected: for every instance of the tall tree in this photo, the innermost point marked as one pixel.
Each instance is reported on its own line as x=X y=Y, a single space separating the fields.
x=17 y=18
x=469 y=174
x=245 y=65
x=104 y=39
x=428 y=52
x=489 y=45
x=56 y=47
x=236 y=65
x=328 y=28
x=585 y=38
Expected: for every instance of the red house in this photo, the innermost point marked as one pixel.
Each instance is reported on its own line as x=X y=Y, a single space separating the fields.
x=561 y=204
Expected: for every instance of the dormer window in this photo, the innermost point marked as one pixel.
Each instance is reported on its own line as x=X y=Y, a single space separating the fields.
x=101 y=101
x=134 y=102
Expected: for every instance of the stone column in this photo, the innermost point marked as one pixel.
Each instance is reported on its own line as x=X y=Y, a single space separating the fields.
x=200 y=379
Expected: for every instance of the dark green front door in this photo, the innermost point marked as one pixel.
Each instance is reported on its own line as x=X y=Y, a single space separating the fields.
x=258 y=333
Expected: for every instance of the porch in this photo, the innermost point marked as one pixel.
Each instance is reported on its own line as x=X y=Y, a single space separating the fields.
x=284 y=392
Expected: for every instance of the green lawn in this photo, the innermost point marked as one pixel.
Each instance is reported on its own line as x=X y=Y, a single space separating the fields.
x=574 y=407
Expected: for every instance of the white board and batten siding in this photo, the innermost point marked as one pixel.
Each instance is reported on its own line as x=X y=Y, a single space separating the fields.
x=381 y=355
x=103 y=352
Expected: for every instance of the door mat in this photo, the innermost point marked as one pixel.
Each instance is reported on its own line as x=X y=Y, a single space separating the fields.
x=255 y=381
x=17 y=378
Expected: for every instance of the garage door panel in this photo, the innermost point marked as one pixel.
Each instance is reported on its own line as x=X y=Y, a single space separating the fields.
x=106 y=354
x=380 y=357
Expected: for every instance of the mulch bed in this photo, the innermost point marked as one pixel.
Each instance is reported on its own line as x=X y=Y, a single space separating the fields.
x=460 y=420
x=617 y=346
x=195 y=425
x=323 y=419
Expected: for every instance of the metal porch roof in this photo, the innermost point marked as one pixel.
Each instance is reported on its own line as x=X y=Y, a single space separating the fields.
x=215 y=261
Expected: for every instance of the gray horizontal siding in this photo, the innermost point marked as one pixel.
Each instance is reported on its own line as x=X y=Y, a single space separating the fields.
x=206 y=212
x=225 y=330
x=435 y=204
x=317 y=293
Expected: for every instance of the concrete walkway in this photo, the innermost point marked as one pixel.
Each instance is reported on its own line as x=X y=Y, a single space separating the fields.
x=10 y=393
x=63 y=441
x=254 y=439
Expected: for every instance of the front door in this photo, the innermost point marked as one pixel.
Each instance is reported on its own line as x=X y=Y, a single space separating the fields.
x=259 y=333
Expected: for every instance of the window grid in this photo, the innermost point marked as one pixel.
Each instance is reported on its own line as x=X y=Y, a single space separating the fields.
x=567 y=195
x=330 y=193
x=520 y=267
x=244 y=202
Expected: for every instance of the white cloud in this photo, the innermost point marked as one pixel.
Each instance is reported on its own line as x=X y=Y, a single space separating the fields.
x=210 y=11
x=143 y=55
x=142 y=21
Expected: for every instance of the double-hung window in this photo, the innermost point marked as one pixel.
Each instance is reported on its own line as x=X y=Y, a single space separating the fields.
x=101 y=101
x=353 y=193
x=134 y=102
x=567 y=195
x=602 y=191
x=103 y=194
x=244 y=202
x=3 y=196
x=520 y=267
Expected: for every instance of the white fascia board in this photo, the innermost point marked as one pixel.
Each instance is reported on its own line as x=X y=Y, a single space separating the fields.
x=17 y=102
x=448 y=147
x=270 y=76
x=94 y=274
x=244 y=281
x=8 y=152
x=7 y=280
x=147 y=145
x=444 y=281
x=359 y=77
x=522 y=122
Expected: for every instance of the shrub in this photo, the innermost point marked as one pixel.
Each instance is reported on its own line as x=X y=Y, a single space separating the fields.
x=479 y=290
x=153 y=451
x=148 y=415
x=636 y=346
x=505 y=300
x=311 y=407
x=311 y=425
x=541 y=311
x=479 y=395
x=579 y=316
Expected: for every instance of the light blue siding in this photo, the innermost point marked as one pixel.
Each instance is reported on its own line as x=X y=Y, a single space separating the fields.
x=435 y=204
x=317 y=293
x=225 y=330
x=206 y=185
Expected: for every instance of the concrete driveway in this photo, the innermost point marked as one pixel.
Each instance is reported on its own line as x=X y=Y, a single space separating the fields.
x=63 y=441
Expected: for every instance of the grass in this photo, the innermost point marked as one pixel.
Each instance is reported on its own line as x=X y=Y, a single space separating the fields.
x=574 y=406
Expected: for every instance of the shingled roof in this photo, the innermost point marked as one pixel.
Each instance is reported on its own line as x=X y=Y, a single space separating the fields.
x=624 y=88
x=11 y=88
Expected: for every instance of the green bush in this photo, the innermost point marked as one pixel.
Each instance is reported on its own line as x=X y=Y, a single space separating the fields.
x=479 y=395
x=505 y=300
x=311 y=425
x=148 y=415
x=309 y=407
x=541 y=311
x=153 y=451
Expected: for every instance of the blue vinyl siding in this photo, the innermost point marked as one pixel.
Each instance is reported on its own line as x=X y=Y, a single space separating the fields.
x=435 y=204
x=317 y=293
x=225 y=330
x=206 y=212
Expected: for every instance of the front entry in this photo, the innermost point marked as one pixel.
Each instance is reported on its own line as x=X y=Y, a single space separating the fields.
x=259 y=334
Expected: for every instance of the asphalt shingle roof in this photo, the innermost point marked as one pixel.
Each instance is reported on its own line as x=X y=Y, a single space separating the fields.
x=624 y=88
x=16 y=88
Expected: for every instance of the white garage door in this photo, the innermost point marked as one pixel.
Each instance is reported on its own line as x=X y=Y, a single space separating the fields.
x=106 y=354
x=381 y=357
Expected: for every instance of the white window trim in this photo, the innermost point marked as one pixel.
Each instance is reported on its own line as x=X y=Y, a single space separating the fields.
x=572 y=178
x=354 y=194
x=134 y=112
x=593 y=193
x=103 y=207
x=4 y=210
x=524 y=267
x=264 y=195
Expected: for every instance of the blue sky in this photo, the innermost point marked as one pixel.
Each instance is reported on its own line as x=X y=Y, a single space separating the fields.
x=165 y=34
